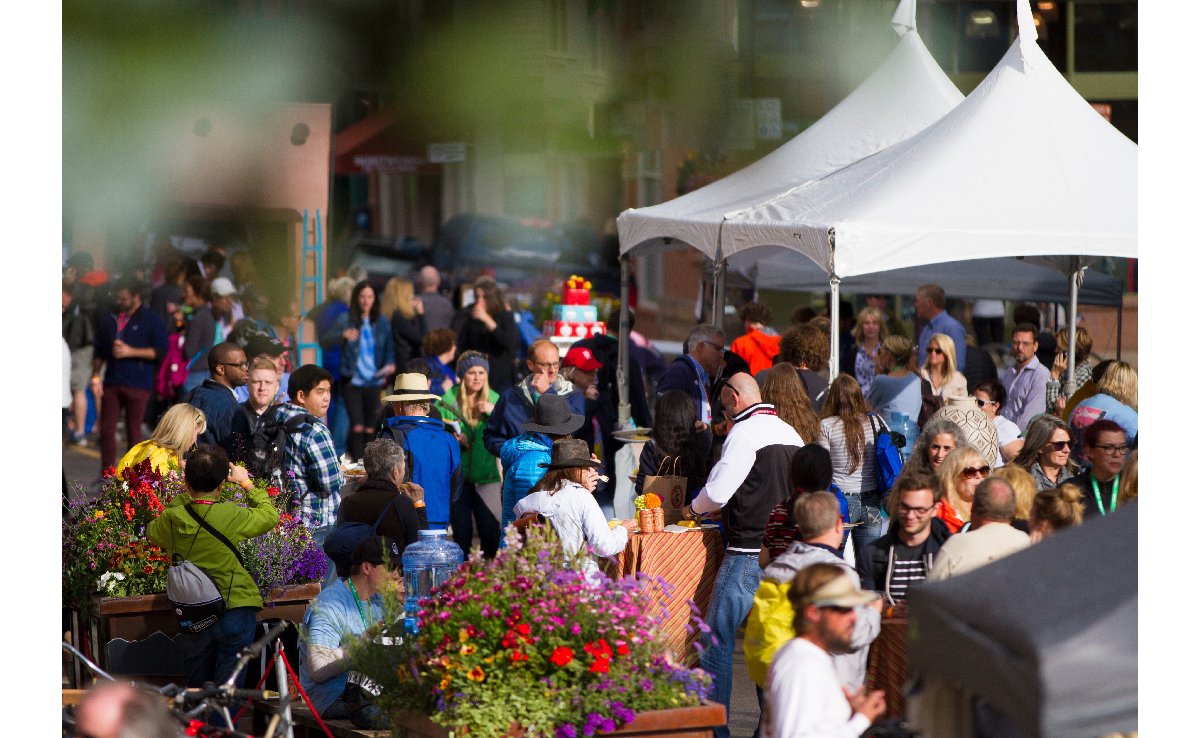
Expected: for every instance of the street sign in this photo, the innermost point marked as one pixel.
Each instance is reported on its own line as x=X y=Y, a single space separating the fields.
x=447 y=153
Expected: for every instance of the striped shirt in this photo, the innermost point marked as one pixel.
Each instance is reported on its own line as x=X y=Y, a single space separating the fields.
x=833 y=438
x=906 y=569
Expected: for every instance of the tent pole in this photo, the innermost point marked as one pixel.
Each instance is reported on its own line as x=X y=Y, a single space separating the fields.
x=718 y=316
x=1120 y=319
x=834 y=327
x=1076 y=280
x=623 y=407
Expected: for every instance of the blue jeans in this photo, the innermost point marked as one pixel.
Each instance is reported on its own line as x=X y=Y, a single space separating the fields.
x=733 y=595
x=864 y=508
x=319 y=535
x=339 y=423
x=209 y=656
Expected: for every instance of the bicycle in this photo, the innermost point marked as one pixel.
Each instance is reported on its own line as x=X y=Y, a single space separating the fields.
x=189 y=705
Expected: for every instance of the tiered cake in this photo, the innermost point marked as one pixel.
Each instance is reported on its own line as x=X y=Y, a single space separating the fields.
x=575 y=317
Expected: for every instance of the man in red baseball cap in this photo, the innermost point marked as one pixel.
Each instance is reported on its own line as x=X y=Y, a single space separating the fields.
x=580 y=366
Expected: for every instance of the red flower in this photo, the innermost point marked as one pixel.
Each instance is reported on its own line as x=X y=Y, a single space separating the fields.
x=518 y=656
x=622 y=649
x=599 y=649
x=599 y=666
x=148 y=569
x=523 y=629
x=561 y=656
x=272 y=491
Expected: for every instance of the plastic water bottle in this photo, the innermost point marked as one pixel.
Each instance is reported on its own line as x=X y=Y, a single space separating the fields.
x=427 y=563
x=901 y=423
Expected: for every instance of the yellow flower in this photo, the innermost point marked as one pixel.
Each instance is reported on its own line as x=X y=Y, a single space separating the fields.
x=463 y=635
x=467 y=649
x=475 y=675
x=445 y=683
x=489 y=659
x=445 y=662
x=99 y=513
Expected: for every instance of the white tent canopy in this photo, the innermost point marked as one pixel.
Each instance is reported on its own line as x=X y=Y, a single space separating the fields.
x=904 y=95
x=1024 y=166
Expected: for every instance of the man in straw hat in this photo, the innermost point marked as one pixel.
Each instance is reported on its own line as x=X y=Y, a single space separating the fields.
x=433 y=457
x=525 y=456
x=803 y=693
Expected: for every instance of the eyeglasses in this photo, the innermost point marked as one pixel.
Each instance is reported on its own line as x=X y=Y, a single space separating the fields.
x=717 y=346
x=1023 y=343
x=984 y=403
x=903 y=510
x=933 y=350
x=546 y=364
x=1112 y=450
x=240 y=364
x=972 y=471
x=1060 y=445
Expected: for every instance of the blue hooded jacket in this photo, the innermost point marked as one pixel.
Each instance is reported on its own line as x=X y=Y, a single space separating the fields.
x=434 y=461
x=520 y=457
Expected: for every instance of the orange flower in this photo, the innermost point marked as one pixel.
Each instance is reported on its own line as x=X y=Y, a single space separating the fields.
x=653 y=500
x=476 y=674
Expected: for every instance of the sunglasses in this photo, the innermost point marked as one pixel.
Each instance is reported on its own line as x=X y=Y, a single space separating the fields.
x=984 y=403
x=1059 y=445
x=972 y=471
x=933 y=350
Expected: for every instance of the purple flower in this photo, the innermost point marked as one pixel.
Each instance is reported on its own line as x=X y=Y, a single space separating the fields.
x=565 y=731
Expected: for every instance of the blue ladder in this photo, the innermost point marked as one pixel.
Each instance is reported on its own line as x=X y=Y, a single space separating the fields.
x=312 y=279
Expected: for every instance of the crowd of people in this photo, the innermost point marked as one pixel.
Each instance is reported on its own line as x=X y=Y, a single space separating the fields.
x=456 y=423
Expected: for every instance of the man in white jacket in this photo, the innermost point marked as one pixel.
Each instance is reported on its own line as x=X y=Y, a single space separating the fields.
x=752 y=477
x=804 y=696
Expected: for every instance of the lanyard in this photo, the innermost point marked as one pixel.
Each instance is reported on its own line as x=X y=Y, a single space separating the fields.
x=1112 y=498
x=357 y=601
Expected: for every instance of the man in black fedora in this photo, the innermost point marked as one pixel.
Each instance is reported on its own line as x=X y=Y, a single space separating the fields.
x=526 y=456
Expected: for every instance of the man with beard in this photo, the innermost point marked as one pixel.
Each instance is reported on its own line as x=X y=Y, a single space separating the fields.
x=803 y=694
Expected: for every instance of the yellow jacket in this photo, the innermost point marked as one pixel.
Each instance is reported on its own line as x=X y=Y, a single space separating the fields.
x=161 y=458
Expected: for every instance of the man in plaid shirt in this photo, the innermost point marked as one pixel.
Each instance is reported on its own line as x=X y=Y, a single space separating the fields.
x=310 y=462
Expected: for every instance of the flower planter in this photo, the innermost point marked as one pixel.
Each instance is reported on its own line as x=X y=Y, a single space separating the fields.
x=139 y=633
x=680 y=722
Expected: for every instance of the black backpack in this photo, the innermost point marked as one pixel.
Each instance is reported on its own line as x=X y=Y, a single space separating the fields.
x=268 y=441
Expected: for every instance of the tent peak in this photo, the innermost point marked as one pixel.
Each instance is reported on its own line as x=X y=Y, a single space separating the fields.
x=905 y=17
x=1026 y=31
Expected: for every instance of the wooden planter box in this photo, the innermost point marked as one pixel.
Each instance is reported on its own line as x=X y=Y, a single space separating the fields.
x=681 y=722
x=139 y=633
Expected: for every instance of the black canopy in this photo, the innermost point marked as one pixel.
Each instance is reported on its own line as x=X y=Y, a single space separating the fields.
x=1048 y=635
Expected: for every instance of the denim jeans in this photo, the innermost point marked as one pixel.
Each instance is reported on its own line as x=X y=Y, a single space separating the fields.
x=733 y=595
x=339 y=423
x=319 y=535
x=864 y=508
x=468 y=511
x=209 y=656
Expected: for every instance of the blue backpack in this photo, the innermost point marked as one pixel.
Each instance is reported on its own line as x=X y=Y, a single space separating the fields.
x=888 y=462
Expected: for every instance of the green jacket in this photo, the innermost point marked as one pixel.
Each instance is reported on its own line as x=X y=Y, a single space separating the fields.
x=479 y=466
x=175 y=531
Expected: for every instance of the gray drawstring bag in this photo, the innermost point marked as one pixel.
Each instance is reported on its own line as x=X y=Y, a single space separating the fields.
x=191 y=591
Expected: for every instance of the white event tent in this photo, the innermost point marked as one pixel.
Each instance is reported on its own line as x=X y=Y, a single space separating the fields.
x=1023 y=167
x=905 y=94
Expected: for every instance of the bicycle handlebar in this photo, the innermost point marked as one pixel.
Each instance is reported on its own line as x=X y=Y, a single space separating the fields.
x=253 y=650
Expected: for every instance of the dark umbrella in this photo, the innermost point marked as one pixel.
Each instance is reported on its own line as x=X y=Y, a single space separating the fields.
x=1048 y=635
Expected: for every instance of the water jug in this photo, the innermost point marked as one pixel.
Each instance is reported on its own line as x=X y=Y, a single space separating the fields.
x=427 y=563
x=901 y=423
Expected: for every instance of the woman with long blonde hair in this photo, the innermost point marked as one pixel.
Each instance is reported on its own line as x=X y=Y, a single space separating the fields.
x=870 y=330
x=467 y=406
x=173 y=438
x=1116 y=399
x=783 y=389
x=958 y=476
x=846 y=433
x=939 y=367
x=407 y=314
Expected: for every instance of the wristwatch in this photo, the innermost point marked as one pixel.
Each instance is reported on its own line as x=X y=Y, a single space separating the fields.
x=689 y=513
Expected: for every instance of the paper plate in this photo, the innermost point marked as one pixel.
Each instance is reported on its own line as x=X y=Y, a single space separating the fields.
x=632 y=435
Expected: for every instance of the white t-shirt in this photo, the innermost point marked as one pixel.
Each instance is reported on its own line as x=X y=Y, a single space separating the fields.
x=804 y=698
x=1008 y=432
